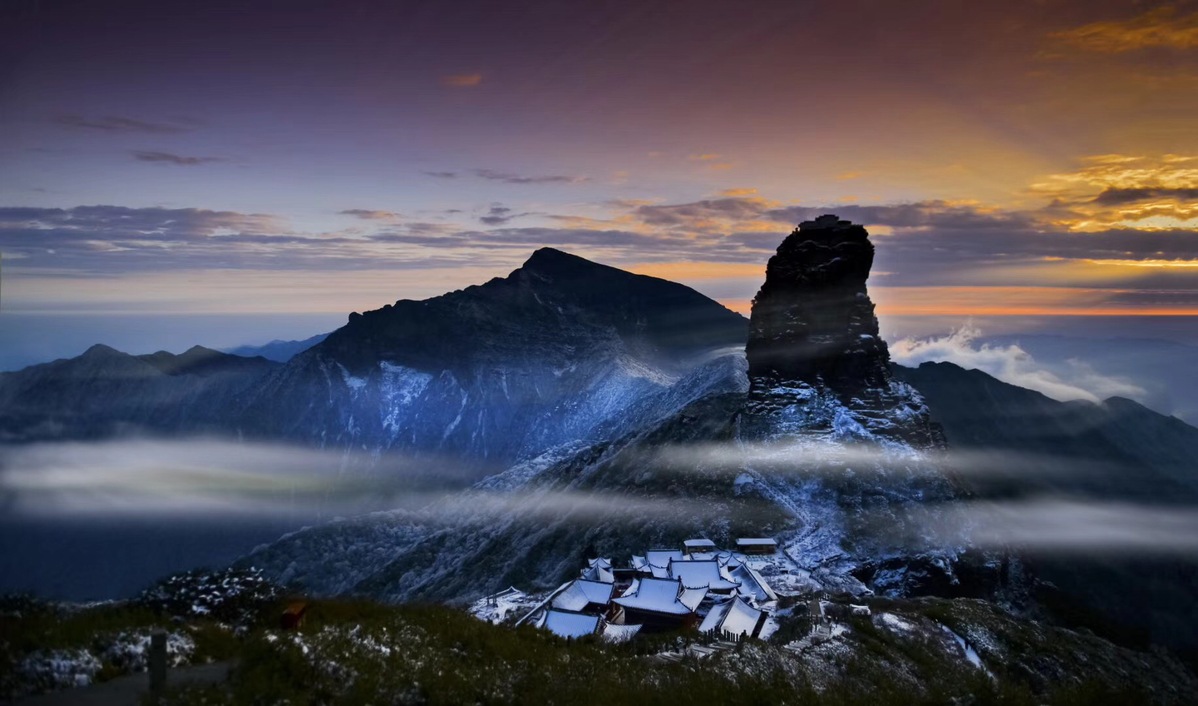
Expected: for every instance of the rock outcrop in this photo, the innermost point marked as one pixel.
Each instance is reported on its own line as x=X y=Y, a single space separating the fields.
x=815 y=358
x=813 y=321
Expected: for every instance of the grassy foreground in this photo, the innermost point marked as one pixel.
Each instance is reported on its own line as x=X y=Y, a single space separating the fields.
x=362 y=652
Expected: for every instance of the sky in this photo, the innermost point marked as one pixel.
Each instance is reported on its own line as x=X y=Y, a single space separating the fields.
x=231 y=172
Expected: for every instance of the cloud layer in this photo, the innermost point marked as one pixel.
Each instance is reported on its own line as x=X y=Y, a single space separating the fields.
x=221 y=479
x=1013 y=365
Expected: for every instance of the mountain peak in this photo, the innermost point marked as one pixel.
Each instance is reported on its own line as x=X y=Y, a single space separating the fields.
x=200 y=360
x=100 y=350
x=551 y=261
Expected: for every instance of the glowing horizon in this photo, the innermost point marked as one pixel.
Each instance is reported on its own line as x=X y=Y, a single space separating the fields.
x=340 y=161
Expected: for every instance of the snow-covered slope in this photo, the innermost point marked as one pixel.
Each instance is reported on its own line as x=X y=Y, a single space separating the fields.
x=562 y=350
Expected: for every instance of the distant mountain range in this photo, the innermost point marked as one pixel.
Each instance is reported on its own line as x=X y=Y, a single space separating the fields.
x=105 y=393
x=1162 y=369
x=566 y=379
x=562 y=350
x=276 y=350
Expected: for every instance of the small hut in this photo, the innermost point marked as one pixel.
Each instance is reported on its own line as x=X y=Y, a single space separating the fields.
x=757 y=545
x=698 y=546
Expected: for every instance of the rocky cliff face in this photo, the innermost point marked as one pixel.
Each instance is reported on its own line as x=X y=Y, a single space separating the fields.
x=816 y=361
x=820 y=386
x=560 y=351
x=813 y=321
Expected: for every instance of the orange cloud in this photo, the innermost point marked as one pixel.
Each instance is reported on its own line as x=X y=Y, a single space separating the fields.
x=711 y=162
x=1124 y=191
x=462 y=80
x=1166 y=264
x=738 y=192
x=1161 y=27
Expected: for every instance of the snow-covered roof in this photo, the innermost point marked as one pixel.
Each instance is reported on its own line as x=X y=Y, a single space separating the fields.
x=619 y=633
x=692 y=597
x=662 y=596
x=729 y=559
x=756 y=542
x=581 y=593
x=734 y=616
x=695 y=574
x=714 y=617
x=701 y=556
x=698 y=544
x=662 y=557
x=640 y=563
x=569 y=624
x=752 y=583
x=596 y=572
x=601 y=562
x=659 y=572
x=537 y=614
x=741 y=618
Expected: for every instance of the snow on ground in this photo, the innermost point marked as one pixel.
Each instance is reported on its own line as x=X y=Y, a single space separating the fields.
x=520 y=474
x=46 y=670
x=50 y=670
x=508 y=604
x=130 y=650
x=769 y=628
x=970 y=654
x=896 y=623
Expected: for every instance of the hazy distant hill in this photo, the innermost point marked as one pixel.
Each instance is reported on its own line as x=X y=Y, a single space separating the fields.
x=1116 y=449
x=106 y=393
x=1163 y=369
x=278 y=351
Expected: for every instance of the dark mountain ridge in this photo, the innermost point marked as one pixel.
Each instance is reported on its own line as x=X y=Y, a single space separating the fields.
x=202 y=361
x=559 y=351
x=828 y=516
x=1115 y=452
x=278 y=350
x=1117 y=449
x=106 y=393
x=660 y=319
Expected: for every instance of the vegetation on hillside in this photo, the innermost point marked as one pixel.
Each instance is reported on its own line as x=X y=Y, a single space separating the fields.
x=357 y=652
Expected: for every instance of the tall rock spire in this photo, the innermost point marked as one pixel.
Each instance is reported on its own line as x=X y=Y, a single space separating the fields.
x=814 y=344
x=813 y=320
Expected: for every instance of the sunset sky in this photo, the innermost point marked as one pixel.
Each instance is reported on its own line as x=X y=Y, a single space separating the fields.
x=227 y=172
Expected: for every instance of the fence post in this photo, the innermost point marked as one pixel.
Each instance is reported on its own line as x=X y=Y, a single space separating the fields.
x=157 y=664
